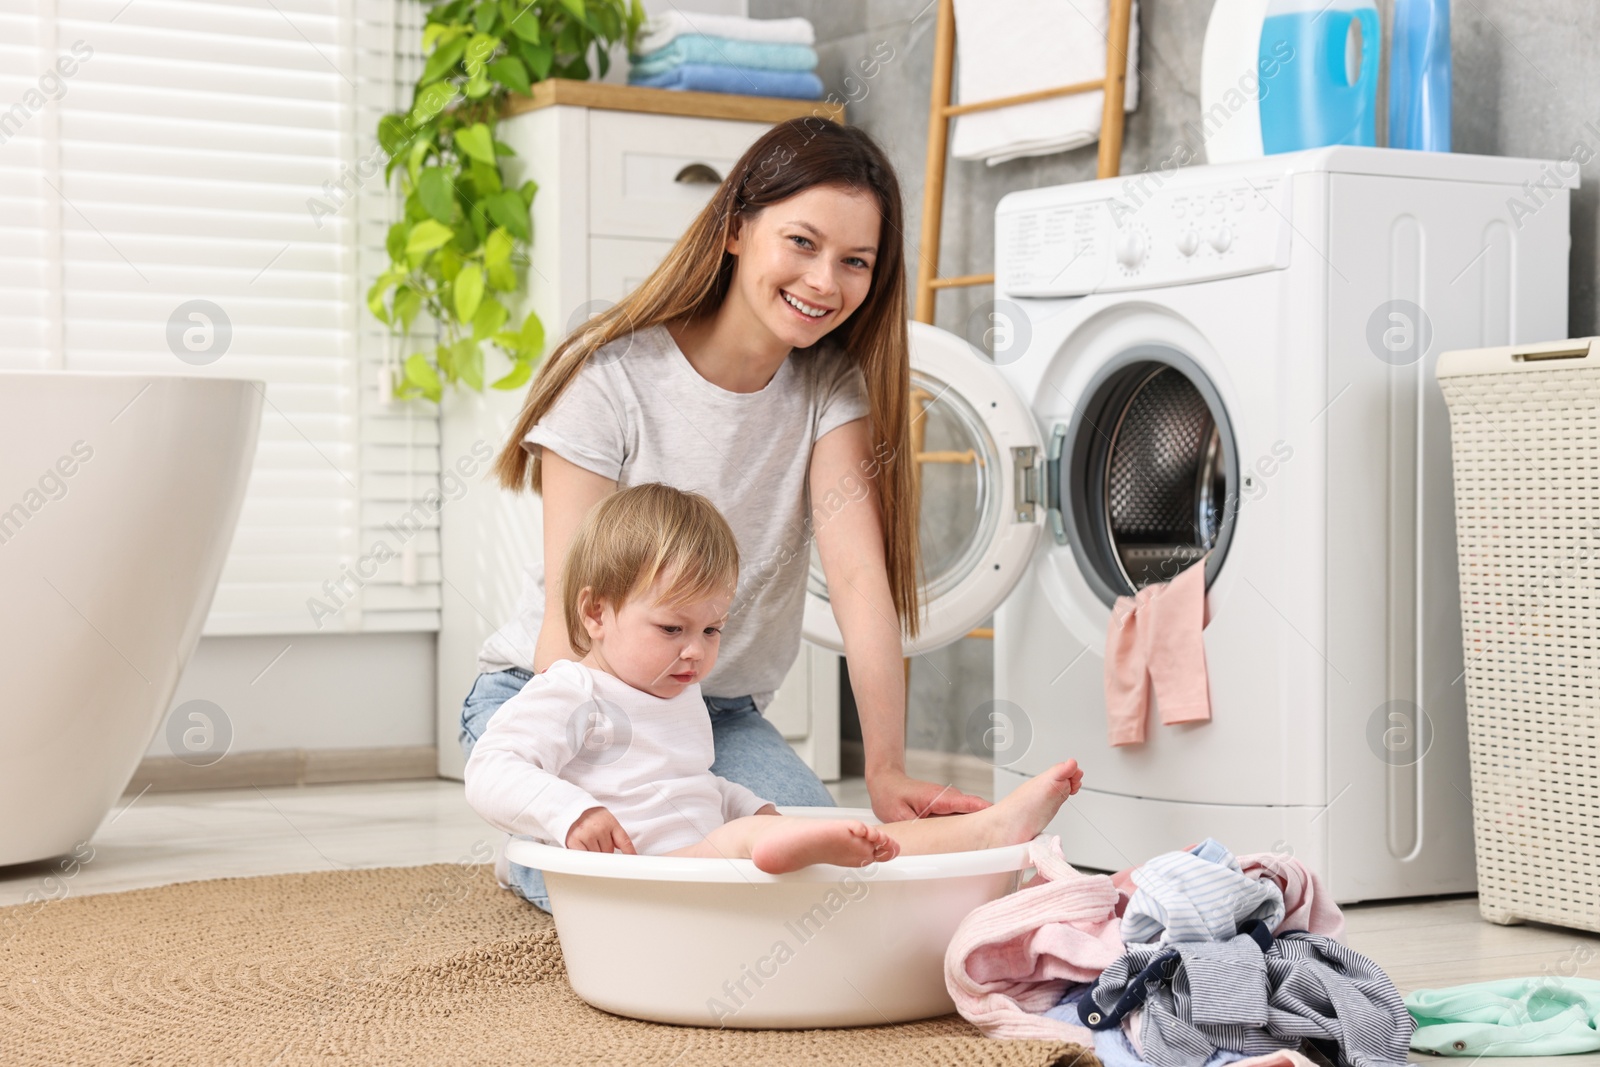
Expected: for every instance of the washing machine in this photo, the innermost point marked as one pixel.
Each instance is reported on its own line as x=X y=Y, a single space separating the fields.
x=1231 y=367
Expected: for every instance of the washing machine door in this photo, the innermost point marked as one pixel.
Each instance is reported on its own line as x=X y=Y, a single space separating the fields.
x=1149 y=473
x=982 y=468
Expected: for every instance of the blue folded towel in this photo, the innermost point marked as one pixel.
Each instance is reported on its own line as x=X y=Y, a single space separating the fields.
x=724 y=52
x=745 y=81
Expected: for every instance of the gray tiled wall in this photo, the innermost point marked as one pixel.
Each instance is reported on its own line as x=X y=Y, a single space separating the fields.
x=1526 y=83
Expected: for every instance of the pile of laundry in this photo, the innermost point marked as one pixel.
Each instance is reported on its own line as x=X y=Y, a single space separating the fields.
x=1195 y=958
x=727 y=54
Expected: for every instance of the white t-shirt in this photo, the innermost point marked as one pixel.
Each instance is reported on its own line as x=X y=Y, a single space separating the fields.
x=640 y=412
x=576 y=738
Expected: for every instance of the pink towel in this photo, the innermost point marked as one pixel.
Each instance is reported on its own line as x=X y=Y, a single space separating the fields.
x=1011 y=959
x=1306 y=903
x=1154 y=641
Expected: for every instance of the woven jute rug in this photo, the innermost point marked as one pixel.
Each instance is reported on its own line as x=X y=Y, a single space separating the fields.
x=413 y=965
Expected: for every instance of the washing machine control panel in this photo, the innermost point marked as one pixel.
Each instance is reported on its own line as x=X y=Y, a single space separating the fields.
x=1144 y=236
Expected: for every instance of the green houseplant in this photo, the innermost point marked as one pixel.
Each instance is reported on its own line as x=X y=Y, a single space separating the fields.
x=461 y=243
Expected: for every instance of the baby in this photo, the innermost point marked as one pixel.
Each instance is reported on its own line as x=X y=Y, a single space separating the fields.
x=614 y=752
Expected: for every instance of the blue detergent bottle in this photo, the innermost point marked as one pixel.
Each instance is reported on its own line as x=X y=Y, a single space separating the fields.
x=1419 y=76
x=1328 y=90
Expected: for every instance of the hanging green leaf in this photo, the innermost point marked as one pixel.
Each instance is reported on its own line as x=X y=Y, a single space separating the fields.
x=426 y=236
x=476 y=142
x=469 y=363
x=419 y=152
x=480 y=49
x=407 y=302
x=375 y=302
x=463 y=232
x=395 y=241
x=442 y=61
x=520 y=373
x=497 y=260
x=539 y=57
x=419 y=374
x=430 y=102
x=393 y=133
x=509 y=211
x=433 y=189
x=510 y=72
x=468 y=291
x=447 y=263
x=490 y=317
x=532 y=336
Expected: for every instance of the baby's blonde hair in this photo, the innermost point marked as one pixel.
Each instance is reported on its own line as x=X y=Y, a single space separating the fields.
x=637 y=534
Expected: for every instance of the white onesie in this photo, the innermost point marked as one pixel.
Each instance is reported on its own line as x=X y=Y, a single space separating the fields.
x=575 y=738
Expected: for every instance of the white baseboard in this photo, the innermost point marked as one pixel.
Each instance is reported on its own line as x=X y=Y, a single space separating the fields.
x=295 y=766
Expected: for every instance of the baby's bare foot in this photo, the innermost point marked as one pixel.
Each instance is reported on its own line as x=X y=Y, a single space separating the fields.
x=1023 y=815
x=800 y=842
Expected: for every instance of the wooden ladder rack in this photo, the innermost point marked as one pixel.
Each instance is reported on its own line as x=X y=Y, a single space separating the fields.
x=940 y=112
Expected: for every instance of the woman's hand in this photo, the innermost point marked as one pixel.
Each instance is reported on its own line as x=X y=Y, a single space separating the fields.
x=896 y=796
x=597 y=830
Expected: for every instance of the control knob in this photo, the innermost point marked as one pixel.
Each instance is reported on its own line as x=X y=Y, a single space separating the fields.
x=1130 y=249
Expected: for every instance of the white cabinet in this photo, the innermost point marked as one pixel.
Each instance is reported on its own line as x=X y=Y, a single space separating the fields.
x=649 y=175
x=616 y=190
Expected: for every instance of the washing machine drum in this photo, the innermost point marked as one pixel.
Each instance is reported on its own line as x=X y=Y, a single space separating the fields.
x=1151 y=477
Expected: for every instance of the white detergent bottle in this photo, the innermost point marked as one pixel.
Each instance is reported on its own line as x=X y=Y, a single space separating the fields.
x=1282 y=75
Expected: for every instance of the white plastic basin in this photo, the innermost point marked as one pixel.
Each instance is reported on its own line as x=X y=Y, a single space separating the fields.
x=703 y=942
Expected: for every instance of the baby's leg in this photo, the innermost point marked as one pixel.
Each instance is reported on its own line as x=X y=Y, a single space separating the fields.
x=1020 y=817
x=780 y=843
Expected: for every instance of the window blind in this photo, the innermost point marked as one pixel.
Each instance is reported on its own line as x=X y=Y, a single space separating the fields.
x=195 y=187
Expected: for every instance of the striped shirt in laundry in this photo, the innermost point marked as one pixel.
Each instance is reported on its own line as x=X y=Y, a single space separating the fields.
x=1199 y=895
x=1253 y=994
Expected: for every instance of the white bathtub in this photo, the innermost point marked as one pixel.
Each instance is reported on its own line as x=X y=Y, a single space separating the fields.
x=721 y=943
x=118 y=498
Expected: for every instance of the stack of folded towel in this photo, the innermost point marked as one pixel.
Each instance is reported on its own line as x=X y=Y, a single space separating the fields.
x=728 y=54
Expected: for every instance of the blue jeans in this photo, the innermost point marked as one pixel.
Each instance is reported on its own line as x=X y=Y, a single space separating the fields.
x=749 y=750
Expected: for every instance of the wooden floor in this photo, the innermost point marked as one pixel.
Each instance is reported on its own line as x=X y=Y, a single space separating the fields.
x=158 y=838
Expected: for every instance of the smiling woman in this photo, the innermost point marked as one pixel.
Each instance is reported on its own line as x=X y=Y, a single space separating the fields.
x=764 y=362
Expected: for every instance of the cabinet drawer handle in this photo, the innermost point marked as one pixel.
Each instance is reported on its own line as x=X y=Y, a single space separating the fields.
x=697 y=174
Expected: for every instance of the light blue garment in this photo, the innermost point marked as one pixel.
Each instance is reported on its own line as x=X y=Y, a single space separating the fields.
x=749 y=750
x=1066 y=1009
x=1197 y=896
x=1211 y=849
x=1112 y=1046
x=1115 y=1050
x=724 y=51
x=745 y=81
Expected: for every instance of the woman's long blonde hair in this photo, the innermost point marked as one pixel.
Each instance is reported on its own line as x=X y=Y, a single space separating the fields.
x=694 y=278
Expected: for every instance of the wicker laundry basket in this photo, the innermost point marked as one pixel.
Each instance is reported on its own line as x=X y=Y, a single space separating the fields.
x=1525 y=438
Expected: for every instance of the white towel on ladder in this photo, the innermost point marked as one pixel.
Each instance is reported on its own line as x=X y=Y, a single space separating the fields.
x=1006 y=47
